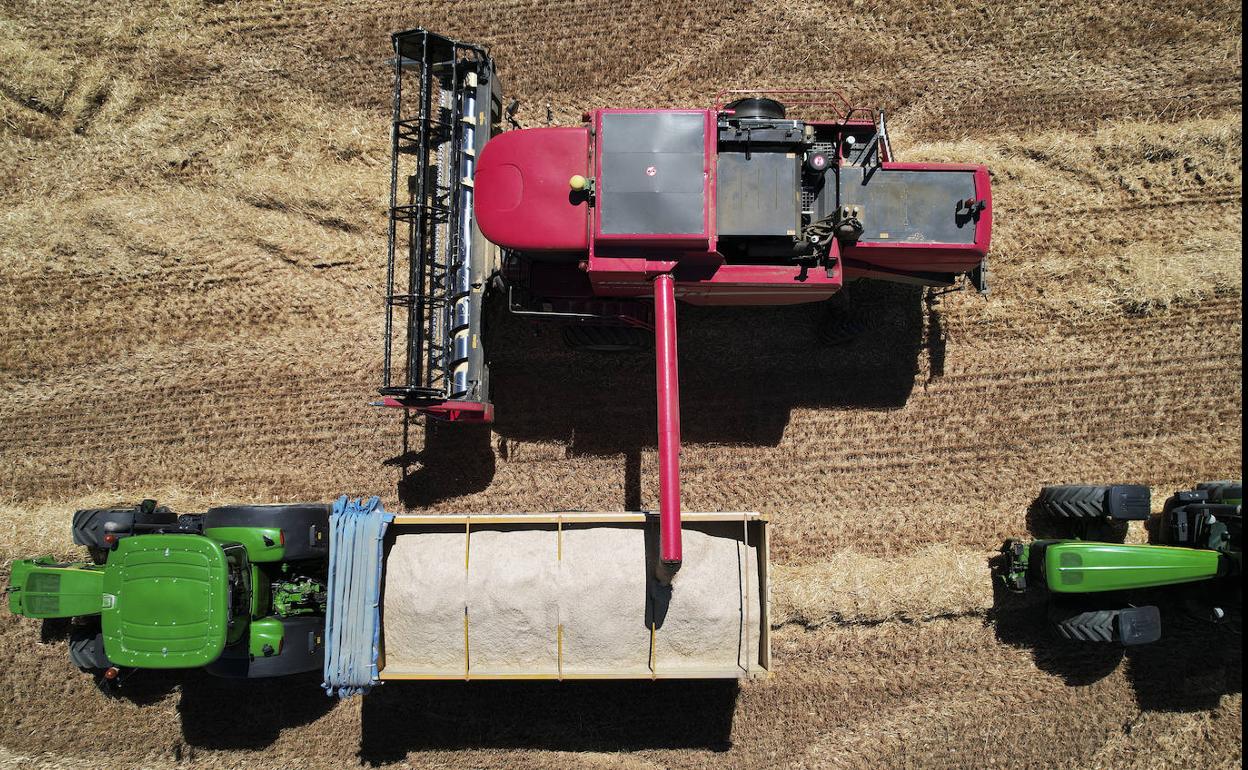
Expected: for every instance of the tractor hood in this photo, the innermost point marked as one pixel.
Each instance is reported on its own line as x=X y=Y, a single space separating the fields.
x=523 y=200
x=1085 y=567
x=166 y=601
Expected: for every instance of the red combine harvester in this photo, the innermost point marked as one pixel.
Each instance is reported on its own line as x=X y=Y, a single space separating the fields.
x=602 y=227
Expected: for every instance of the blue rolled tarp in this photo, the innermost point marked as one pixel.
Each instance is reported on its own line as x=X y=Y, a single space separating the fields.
x=353 y=616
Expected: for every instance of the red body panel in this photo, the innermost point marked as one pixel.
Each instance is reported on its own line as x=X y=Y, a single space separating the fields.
x=928 y=257
x=449 y=411
x=523 y=200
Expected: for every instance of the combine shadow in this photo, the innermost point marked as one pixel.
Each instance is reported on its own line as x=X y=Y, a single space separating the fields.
x=1190 y=668
x=247 y=713
x=742 y=371
x=454 y=460
x=399 y=718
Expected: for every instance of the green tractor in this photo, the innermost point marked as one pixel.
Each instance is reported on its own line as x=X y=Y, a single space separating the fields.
x=239 y=590
x=1095 y=585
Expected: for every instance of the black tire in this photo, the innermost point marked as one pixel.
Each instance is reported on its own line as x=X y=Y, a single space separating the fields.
x=305 y=525
x=303 y=650
x=1217 y=489
x=92 y=524
x=604 y=339
x=756 y=107
x=838 y=329
x=86 y=648
x=1085 y=626
x=1074 y=502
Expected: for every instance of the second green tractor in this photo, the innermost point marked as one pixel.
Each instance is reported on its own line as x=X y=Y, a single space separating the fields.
x=1101 y=590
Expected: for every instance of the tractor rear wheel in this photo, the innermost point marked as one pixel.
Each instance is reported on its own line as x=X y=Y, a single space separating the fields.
x=302 y=650
x=1217 y=489
x=91 y=525
x=305 y=526
x=1074 y=501
x=604 y=339
x=86 y=648
x=1127 y=626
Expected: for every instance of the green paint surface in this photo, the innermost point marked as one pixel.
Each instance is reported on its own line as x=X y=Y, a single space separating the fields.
x=1083 y=567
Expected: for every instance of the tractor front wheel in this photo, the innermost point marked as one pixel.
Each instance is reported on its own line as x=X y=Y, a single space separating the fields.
x=1073 y=501
x=1128 y=626
x=86 y=648
x=92 y=525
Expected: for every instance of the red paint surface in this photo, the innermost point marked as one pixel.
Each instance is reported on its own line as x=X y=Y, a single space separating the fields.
x=522 y=198
x=668 y=389
x=449 y=411
x=930 y=257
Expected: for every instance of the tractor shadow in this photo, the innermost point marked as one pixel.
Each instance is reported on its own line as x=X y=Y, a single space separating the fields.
x=399 y=718
x=742 y=372
x=1189 y=669
x=247 y=713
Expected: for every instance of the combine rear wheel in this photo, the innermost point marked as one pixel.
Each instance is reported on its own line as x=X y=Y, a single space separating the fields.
x=604 y=339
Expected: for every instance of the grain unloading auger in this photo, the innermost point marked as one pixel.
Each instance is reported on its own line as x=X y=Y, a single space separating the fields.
x=599 y=228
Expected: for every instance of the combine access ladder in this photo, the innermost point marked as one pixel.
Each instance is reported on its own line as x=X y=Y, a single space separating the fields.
x=438 y=263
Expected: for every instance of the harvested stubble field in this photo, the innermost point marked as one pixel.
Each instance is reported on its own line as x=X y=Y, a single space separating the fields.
x=191 y=251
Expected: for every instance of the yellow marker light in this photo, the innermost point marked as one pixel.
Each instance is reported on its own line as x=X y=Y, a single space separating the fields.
x=578 y=182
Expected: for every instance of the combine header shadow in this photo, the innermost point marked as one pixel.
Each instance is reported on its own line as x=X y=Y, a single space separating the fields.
x=742 y=372
x=402 y=717
x=454 y=460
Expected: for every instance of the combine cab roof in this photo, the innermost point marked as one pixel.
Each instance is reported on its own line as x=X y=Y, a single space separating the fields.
x=166 y=601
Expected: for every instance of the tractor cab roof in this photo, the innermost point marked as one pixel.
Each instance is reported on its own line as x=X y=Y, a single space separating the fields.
x=166 y=601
